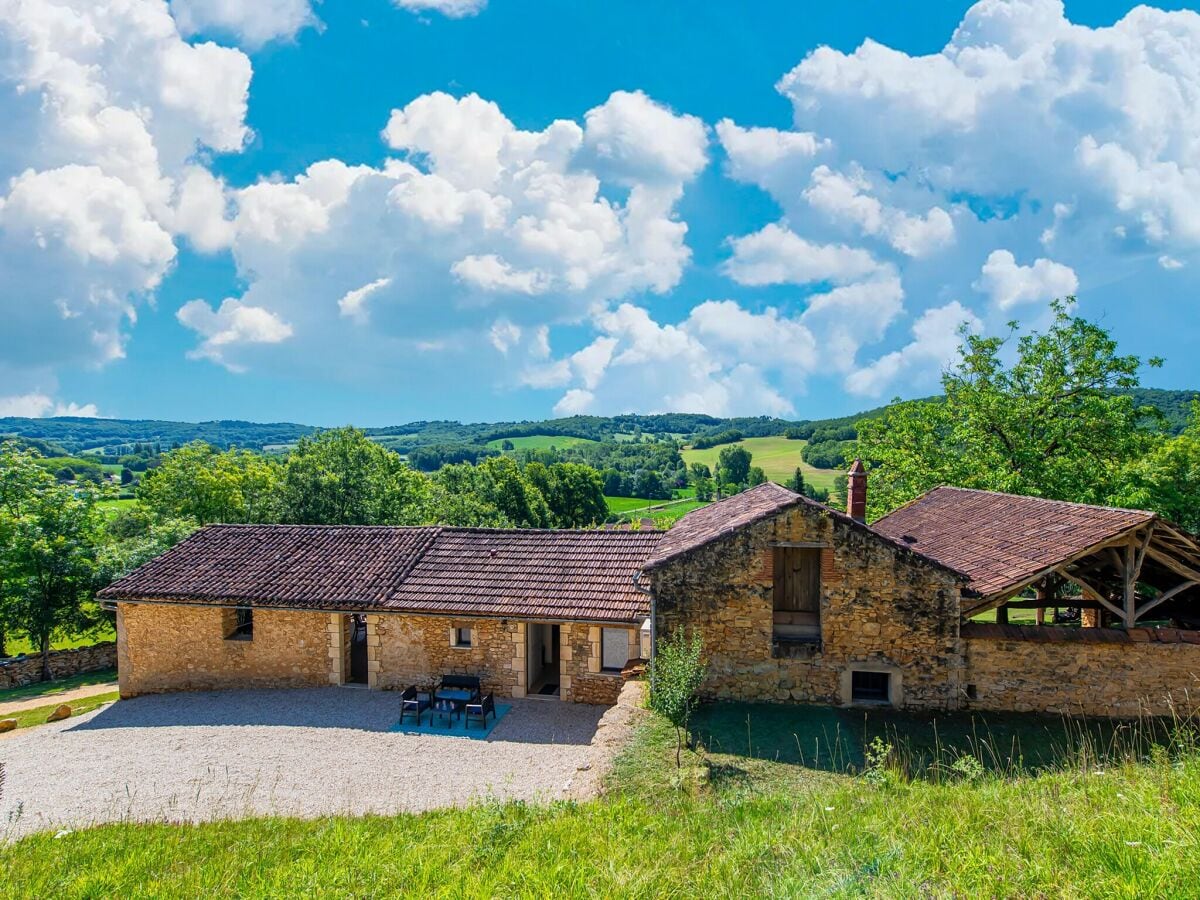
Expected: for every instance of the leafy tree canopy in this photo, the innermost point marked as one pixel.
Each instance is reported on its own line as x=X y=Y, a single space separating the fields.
x=1045 y=419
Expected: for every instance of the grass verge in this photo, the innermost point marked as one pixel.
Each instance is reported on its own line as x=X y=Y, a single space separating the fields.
x=62 y=685
x=37 y=715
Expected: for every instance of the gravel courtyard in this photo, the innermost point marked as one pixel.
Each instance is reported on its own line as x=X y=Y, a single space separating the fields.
x=194 y=757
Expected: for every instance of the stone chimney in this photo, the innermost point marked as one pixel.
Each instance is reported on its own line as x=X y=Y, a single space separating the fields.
x=856 y=492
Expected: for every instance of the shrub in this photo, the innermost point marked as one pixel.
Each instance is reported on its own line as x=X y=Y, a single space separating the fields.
x=676 y=673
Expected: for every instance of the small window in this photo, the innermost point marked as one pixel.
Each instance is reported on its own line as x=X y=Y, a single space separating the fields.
x=461 y=637
x=243 y=625
x=614 y=649
x=870 y=687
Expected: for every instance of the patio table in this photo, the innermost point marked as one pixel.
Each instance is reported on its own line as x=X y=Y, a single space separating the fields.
x=446 y=708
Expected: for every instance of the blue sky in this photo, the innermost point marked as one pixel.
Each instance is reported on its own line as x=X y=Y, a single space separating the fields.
x=381 y=211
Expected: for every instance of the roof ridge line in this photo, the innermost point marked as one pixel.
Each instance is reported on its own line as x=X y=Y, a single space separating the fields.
x=1034 y=497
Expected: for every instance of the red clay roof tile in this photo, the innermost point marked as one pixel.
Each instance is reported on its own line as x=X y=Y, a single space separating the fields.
x=451 y=571
x=1002 y=540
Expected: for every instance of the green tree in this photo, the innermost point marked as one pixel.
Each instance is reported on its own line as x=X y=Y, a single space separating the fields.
x=733 y=465
x=676 y=673
x=796 y=482
x=199 y=482
x=573 y=492
x=756 y=477
x=21 y=477
x=1167 y=479
x=1049 y=424
x=52 y=564
x=340 y=477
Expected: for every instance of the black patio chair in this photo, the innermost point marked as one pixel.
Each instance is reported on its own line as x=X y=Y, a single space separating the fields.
x=479 y=709
x=413 y=704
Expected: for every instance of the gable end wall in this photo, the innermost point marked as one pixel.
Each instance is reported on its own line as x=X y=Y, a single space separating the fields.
x=880 y=610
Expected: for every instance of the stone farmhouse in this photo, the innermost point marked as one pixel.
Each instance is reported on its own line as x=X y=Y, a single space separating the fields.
x=794 y=601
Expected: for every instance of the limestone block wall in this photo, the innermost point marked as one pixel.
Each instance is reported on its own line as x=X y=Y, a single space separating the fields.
x=162 y=647
x=416 y=649
x=881 y=610
x=1108 y=672
x=581 y=677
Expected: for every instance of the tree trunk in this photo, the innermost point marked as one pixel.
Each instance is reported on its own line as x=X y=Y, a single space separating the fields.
x=678 y=749
x=45 y=657
x=3 y=642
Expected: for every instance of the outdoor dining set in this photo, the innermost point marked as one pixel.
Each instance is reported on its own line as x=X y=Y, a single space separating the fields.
x=456 y=696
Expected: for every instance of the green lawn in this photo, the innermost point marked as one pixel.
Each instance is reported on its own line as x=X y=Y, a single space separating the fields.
x=37 y=716
x=777 y=456
x=18 y=645
x=111 y=507
x=755 y=815
x=629 y=504
x=541 y=442
x=664 y=512
x=49 y=688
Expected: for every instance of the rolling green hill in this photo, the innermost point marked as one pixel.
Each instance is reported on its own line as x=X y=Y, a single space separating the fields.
x=778 y=456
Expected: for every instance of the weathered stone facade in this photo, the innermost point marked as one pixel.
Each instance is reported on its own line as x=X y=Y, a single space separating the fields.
x=420 y=649
x=166 y=647
x=882 y=609
x=22 y=670
x=582 y=678
x=1084 y=671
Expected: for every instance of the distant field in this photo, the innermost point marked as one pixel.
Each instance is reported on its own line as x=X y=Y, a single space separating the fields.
x=111 y=507
x=541 y=442
x=777 y=456
x=628 y=504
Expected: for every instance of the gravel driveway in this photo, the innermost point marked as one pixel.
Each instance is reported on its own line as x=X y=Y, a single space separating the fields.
x=199 y=756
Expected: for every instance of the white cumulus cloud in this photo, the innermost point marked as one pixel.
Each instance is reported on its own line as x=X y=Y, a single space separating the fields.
x=230 y=327
x=252 y=22
x=40 y=406
x=454 y=9
x=1008 y=284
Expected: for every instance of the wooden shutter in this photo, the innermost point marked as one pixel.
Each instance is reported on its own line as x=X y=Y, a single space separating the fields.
x=798 y=579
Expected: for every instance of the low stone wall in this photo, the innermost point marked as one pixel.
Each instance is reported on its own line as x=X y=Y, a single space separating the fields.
x=25 y=670
x=1081 y=671
x=164 y=647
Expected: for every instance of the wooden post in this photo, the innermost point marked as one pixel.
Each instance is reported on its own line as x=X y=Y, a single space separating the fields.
x=1129 y=570
x=1001 y=615
x=1042 y=596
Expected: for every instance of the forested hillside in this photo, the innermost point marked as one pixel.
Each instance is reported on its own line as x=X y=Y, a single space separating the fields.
x=79 y=434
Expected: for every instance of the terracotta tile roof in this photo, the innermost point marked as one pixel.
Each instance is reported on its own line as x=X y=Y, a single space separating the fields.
x=710 y=523
x=581 y=575
x=551 y=574
x=1001 y=540
x=304 y=566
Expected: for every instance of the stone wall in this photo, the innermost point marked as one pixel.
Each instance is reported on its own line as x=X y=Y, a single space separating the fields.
x=163 y=647
x=882 y=609
x=1082 y=671
x=417 y=649
x=582 y=678
x=23 y=670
